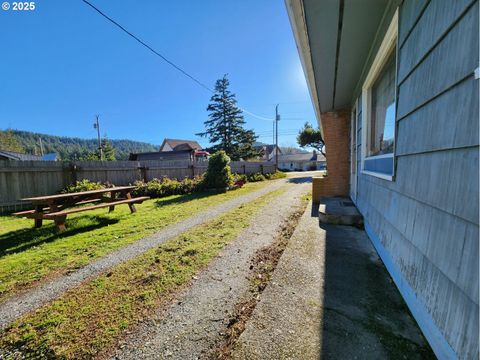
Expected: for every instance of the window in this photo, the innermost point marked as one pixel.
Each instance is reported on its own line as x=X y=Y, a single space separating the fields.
x=378 y=104
x=382 y=122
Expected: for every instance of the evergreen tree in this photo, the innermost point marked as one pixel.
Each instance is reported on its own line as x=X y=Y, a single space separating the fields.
x=9 y=142
x=108 y=150
x=225 y=124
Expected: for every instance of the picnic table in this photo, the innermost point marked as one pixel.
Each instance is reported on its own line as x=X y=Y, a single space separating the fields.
x=57 y=207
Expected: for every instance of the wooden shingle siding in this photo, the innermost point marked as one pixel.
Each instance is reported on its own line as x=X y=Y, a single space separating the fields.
x=410 y=12
x=454 y=312
x=427 y=218
x=439 y=16
x=439 y=118
x=453 y=59
x=419 y=224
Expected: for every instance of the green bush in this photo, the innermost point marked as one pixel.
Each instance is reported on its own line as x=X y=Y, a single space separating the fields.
x=255 y=177
x=276 y=175
x=158 y=188
x=240 y=177
x=84 y=185
x=218 y=175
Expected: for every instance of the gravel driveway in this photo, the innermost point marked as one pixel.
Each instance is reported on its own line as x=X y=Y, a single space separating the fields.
x=195 y=324
x=31 y=299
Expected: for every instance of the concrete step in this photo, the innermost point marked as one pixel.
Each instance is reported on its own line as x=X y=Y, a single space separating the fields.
x=339 y=211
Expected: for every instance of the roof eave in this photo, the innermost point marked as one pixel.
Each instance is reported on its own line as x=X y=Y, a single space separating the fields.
x=296 y=15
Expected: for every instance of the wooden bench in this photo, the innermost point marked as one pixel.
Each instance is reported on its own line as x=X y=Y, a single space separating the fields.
x=57 y=207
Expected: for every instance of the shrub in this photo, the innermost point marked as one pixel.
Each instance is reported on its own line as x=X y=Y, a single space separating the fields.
x=84 y=185
x=158 y=188
x=218 y=175
x=255 y=177
x=240 y=178
x=276 y=175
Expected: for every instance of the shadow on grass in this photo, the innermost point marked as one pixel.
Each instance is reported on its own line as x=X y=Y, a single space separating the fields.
x=24 y=239
x=188 y=197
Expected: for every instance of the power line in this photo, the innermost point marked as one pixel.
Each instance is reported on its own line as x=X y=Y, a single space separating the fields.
x=147 y=46
x=164 y=58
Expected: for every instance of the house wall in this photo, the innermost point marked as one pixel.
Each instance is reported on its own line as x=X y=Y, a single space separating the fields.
x=425 y=223
x=166 y=147
x=297 y=165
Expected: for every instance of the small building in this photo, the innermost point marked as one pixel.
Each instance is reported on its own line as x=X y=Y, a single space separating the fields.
x=176 y=145
x=12 y=155
x=174 y=149
x=163 y=155
x=301 y=162
x=267 y=152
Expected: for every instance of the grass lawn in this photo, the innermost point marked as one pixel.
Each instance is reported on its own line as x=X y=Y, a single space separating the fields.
x=28 y=254
x=88 y=319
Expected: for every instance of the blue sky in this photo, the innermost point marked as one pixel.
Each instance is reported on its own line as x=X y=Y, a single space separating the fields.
x=63 y=63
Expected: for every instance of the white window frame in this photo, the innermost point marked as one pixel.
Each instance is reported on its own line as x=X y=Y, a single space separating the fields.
x=353 y=149
x=389 y=42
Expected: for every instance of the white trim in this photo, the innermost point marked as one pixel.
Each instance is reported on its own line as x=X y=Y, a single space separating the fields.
x=296 y=15
x=378 y=175
x=477 y=73
x=389 y=42
x=353 y=150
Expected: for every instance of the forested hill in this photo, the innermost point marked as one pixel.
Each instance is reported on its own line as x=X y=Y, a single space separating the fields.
x=69 y=148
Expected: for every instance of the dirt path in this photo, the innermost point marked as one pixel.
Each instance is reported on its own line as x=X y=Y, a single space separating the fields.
x=22 y=303
x=330 y=297
x=196 y=324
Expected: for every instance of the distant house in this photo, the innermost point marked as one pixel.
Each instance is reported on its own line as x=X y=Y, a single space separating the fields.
x=174 y=149
x=267 y=152
x=12 y=155
x=301 y=162
x=163 y=155
x=176 y=145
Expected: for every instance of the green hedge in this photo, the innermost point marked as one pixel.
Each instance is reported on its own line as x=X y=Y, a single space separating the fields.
x=158 y=188
x=84 y=185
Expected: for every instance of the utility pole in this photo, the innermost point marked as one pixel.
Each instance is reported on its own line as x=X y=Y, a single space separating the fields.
x=41 y=146
x=96 y=125
x=277 y=118
x=273 y=134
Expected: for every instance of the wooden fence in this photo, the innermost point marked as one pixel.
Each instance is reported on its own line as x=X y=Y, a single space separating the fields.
x=20 y=179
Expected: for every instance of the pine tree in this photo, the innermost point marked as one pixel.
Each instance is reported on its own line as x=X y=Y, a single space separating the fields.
x=108 y=150
x=225 y=124
x=9 y=142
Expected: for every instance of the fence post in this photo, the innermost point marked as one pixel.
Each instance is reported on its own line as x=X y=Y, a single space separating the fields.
x=193 y=170
x=261 y=169
x=143 y=171
x=73 y=170
x=244 y=168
